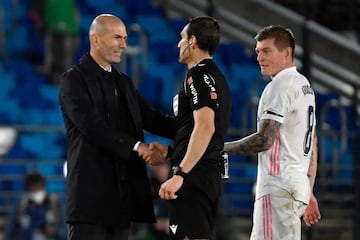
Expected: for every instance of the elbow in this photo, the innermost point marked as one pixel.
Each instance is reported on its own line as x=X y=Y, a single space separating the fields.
x=267 y=143
x=207 y=130
x=266 y=146
x=211 y=130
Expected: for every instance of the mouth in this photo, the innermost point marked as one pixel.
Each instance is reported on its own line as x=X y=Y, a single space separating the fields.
x=262 y=66
x=118 y=53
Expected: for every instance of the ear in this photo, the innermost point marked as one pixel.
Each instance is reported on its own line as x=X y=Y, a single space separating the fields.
x=289 y=52
x=94 y=39
x=193 y=40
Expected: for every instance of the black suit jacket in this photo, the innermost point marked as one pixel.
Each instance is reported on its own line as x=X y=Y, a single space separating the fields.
x=98 y=153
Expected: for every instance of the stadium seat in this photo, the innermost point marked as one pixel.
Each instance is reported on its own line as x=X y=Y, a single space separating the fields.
x=245 y=75
x=16 y=42
x=135 y=8
x=8 y=84
x=157 y=29
x=9 y=167
x=166 y=52
x=167 y=80
x=10 y=111
x=234 y=53
x=49 y=95
x=57 y=186
x=104 y=5
x=53 y=117
x=47 y=170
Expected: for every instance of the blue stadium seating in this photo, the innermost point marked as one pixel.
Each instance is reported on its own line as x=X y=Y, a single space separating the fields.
x=9 y=111
x=135 y=8
x=14 y=168
x=50 y=94
x=106 y=6
x=16 y=42
x=8 y=84
x=157 y=28
x=27 y=98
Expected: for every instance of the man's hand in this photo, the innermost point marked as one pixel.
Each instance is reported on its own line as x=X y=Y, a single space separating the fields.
x=312 y=214
x=162 y=148
x=152 y=156
x=170 y=187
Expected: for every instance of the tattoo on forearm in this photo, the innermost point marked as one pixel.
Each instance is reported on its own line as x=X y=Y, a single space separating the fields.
x=257 y=142
x=312 y=162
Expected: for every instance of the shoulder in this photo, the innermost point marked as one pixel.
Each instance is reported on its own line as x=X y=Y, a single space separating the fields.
x=73 y=72
x=199 y=75
x=70 y=78
x=288 y=80
x=124 y=80
x=121 y=76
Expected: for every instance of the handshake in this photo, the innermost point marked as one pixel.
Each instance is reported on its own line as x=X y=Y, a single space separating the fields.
x=154 y=153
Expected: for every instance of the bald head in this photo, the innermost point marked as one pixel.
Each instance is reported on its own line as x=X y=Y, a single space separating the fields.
x=102 y=21
x=107 y=36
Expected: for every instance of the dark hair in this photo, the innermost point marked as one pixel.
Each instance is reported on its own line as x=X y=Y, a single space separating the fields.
x=283 y=37
x=32 y=179
x=207 y=32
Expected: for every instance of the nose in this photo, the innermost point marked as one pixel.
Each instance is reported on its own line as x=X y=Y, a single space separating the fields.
x=181 y=43
x=123 y=43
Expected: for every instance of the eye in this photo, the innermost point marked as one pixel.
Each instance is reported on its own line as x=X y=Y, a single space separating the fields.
x=121 y=37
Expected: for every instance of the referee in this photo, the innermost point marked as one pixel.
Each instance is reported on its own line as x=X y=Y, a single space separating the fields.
x=202 y=109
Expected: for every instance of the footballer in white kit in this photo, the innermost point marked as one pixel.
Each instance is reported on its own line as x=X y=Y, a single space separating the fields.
x=285 y=141
x=282 y=170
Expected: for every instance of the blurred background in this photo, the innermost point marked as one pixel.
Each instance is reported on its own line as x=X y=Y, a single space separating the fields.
x=40 y=39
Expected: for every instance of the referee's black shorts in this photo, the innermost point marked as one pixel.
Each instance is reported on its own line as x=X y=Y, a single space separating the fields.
x=193 y=213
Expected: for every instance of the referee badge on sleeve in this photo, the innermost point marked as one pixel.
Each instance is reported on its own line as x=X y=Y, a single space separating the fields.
x=176 y=104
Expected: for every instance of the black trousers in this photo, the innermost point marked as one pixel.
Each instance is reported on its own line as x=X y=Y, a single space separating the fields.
x=96 y=232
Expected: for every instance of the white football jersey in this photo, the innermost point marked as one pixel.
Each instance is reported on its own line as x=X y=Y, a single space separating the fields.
x=290 y=100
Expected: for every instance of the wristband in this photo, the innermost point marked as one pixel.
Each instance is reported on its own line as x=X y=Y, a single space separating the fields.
x=178 y=171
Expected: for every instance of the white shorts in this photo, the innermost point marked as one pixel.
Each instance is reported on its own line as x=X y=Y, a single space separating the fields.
x=277 y=217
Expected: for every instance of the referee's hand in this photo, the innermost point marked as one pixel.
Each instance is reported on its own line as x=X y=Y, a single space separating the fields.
x=170 y=187
x=151 y=155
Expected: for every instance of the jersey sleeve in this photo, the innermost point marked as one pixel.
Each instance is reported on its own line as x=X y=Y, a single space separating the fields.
x=201 y=89
x=277 y=100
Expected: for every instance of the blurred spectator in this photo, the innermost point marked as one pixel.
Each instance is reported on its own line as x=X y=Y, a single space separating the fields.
x=58 y=22
x=160 y=229
x=8 y=137
x=37 y=216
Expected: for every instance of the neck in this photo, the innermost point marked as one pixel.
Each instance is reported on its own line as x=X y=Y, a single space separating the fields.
x=198 y=59
x=104 y=65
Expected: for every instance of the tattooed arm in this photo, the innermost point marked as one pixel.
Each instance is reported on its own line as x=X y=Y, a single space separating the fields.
x=256 y=142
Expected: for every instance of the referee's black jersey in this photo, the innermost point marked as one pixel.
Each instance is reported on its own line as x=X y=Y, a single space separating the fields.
x=204 y=86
